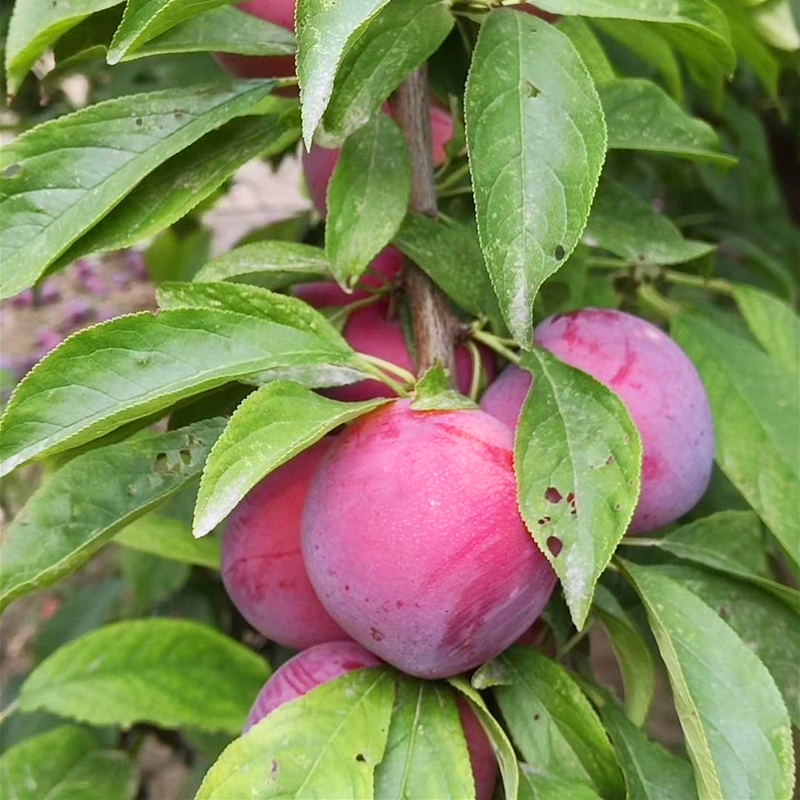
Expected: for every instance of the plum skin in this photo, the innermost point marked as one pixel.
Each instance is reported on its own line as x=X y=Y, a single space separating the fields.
x=320 y=162
x=414 y=543
x=262 y=565
x=326 y=662
x=658 y=385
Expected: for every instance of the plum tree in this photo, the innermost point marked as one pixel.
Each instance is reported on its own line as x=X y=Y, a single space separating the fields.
x=414 y=543
x=262 y=564
x=320 y=162
x=660 y=388
x=278 y=12
x=326 y=662
x=374 y=331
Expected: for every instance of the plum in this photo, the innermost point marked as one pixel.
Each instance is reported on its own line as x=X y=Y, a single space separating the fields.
x=262 y=565
x=278 y=12
x=326 y=662
x=414 y=543
x=658 y=385
x=320 y=162
x=307 y=670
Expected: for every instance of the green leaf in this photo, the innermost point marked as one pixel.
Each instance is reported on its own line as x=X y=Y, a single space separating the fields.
x=642 y=116
x=35 y=25
x=326 y=743
x=550 y=720
x=169 y=672
x=737 y=730
x=367 y=198
x=252 y=301
x=450 y=254
x=578 y=460
x=731 y=542
x=538 y=785
x=750 y=46
x=651 y=773
x=140 y=365
x=589 y=49
x=627 y=226
x=183 y=182
x=773 y=322
x=146 y=19
x=63 y=764
x=170 y=538
x=503 y=749
x=83 y=610
x=61 y=178
x=397 y=40
x=325 y=31
x=268 y=429
x=275 y=264
x=150 y=580
x=767 y=626
x=531 y=106
x=757 y=418
x=77 y=510
x=633 y=655
x=426 y=752
x=224 y=30
x=698 y=24
x=434 y=392
x=266 y=305
x=646 y=41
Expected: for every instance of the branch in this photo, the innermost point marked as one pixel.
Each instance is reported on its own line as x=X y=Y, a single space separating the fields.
x=434 y=324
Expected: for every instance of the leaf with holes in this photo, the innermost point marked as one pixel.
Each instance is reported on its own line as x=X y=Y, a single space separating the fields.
x=60 y=178
x=74 y=513
x=756 y=411
x=334 y=757
x=642 y=116
x=741 y=749
x=140 y=365
x=398 y=39
x=273 y=264
x=367 y=198
x=35 y=25
x=426 y=752
x=550 y=720
x=537 y=142
x=578 y=460
x=64 y=763
x=325 y=31
x=168 y=672
x=269 y=428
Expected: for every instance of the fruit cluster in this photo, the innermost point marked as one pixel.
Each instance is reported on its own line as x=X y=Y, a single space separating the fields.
x=399 y=539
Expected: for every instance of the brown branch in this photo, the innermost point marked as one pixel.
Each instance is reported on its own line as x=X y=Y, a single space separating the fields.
x=434 y=324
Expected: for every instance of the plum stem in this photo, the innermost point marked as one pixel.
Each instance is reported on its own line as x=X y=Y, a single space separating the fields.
x=496 y=344
x=379 y=375
x=432 y=319
x=388 y=366
x=477 y=369
x=343 y=312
